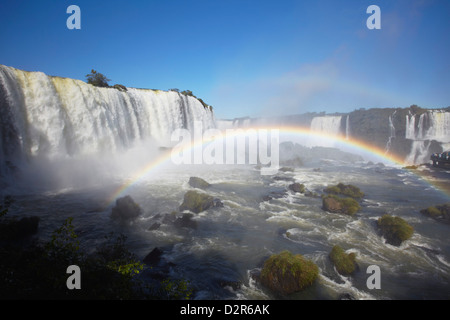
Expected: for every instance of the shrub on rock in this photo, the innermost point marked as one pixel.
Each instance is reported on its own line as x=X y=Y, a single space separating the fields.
x=345 y=190
x=348 y=206
x=344 y=263
x=394 y=229
x=440 y=213
x=297 y=187
x=287 y=273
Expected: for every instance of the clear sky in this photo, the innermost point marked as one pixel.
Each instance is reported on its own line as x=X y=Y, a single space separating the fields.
x=244 y=57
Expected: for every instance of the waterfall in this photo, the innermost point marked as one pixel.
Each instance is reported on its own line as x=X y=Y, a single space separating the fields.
x=431 y=125
x=391 y=133
x=347 y=127
x=53 y=117
x=330 y=125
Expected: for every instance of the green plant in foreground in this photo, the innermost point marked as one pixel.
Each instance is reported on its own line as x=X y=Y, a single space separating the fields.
x=176 y=289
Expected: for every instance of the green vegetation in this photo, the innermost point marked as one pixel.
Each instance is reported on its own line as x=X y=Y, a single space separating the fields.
x=394 y=229
x=286 y=273
x=345 y=190
x=190 y=94
x=297 y=187
x=440 y=212
x=344 y=263
x=176 y=289
x=97 y=79
x=35 y=270
x=348 y=206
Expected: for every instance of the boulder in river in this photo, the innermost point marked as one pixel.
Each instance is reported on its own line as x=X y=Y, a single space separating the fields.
x=126 y=209
x=197 y=202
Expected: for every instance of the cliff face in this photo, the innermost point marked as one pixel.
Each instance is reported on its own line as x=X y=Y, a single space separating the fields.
x=412 y=134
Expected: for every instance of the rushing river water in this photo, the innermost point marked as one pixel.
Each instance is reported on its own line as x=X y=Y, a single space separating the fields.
x=230 y=243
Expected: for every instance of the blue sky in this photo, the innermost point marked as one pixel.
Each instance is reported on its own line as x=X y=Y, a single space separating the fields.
x=245 y=58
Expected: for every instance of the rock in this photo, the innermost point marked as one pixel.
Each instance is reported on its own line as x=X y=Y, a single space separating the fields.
x=120 y=87
x=394 y=229
x=233 y=285
x=199 y=183
x=169 y=217
x=218 y=203
x=186 y=221
x=286 y=273
x=198 y=202
x=345 y=190
x=286 y=169
x=297 y=187
x=440 y=213
x=280 y=178
x=153 y=257
x=311 y=194
x=346 y=296
x=335 y=204
x=154 y=226
x=126 y=209
x=344 y=263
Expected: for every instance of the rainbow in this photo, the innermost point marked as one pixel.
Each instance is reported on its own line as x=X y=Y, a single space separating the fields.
x=357 y=145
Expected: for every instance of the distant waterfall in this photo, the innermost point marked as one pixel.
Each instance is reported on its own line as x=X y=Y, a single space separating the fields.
x=54 y=117
x=347 y=127
x=391 y=133
x=330 y=125
x=422 y=129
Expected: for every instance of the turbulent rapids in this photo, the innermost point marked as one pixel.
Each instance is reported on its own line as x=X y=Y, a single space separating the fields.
x=67 y=147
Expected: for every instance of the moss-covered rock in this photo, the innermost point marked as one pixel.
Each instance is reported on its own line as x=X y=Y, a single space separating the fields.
x=197 y=202
x=345 y=263
x=287 y=273
x=334 y=204
x=199 y=183
x=297 y=187
x=345 y=190
x=394 y=229
x=440 y=213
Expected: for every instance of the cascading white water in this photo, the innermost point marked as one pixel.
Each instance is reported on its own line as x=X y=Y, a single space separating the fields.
x=391 y=133
x=60 y=118
x=431 y=125
x=330 y=125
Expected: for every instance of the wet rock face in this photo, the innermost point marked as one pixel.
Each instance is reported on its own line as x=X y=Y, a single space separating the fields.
x=126 y=209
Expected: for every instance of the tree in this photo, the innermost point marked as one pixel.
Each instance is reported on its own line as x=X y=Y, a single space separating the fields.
x=97 y=79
